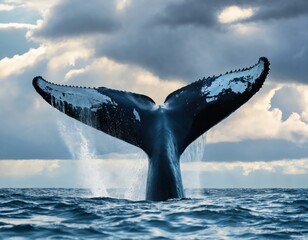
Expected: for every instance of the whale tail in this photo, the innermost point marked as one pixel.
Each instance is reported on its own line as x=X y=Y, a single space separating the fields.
x=190 y=111
x=163 y=132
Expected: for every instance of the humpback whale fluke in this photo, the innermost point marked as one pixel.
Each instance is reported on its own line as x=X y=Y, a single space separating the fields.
x=162 y=132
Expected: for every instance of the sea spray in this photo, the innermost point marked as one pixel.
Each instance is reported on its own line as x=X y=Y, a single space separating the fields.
x=80 y=148
x=80 y=144
x=137 y=185
x=193 y=153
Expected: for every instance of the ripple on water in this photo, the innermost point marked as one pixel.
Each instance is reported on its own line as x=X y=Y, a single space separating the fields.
x=218 y=213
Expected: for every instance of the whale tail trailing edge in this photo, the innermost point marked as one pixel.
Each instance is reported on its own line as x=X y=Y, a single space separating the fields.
x=190 y=111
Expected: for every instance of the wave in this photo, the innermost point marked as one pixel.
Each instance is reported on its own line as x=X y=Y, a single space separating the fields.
x=214 y=213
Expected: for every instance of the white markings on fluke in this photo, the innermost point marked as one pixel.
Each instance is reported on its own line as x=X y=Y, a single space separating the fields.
x=237 y=82
x=86 y=97
x=137 y=116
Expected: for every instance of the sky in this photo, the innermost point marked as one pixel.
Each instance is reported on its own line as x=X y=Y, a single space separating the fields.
x=153 y=48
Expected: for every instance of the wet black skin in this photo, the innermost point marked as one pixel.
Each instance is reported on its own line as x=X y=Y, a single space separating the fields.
x=164 y=179
x=163 y=132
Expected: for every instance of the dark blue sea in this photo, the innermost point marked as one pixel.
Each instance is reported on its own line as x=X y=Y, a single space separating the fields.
x=206 y=214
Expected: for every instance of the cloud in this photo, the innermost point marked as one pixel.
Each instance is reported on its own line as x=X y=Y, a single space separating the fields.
x=16 y=26
x=199 y=13
x=276 y=10
x=19 y=13
x=20 y=63
x=195 y=44
x=234 y=13
x=185 y=40
x=77 y=18
x=208 y=13
x=66 y=54
x=159 y=51
x=122 y=5
x=288 y=99
x=37 y=5
x=26 y=131
x=21 y=168
x=131 y=175
x=6 y=7
x=14 y=42
x=244 y=124
x=123 y=77
x=288 y=167
x=265 y=150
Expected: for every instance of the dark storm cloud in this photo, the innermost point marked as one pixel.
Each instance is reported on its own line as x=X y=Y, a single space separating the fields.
x=279 y=9
x=160 y=51
x=204 y=12
x=196 y=12
x=185 y=53
x=254 y=150
x=76 y=18
x=286 y=43
x=185 y=40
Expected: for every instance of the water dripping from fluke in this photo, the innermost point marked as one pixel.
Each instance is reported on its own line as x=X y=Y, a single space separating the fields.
x=137 y=185
x=91 y=174
x=194 y=153
x=77 y=141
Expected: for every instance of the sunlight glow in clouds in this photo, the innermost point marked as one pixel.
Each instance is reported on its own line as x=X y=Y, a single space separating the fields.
x=234 y=13
x=6 y=7
x=122 y=4
x=19 y=63
x=18 y=168
x=119 y=173
x=136 y=79
x=288 y=167
x=66 y=54
x=39 y=5
x=16 y=26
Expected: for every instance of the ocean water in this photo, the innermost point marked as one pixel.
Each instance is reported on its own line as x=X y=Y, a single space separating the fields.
x=205 y=214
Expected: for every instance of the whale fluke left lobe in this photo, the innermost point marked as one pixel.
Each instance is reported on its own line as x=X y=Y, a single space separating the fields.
x=119 y=114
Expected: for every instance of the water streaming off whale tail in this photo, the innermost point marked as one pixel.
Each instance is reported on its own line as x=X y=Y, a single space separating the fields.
x=77 y=140
x=137 y=184
x=80 y=145
x=194 y=153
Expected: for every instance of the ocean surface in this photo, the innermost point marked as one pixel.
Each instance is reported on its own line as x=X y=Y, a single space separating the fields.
x=205 y=214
